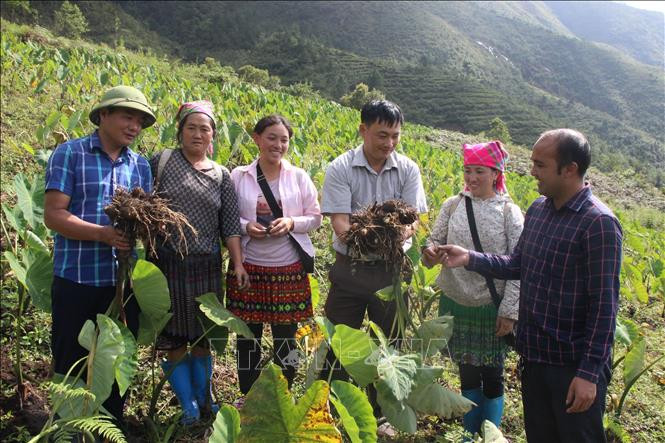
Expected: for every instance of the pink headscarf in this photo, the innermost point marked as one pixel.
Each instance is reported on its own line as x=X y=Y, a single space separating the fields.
x=201 y=106
x=490 y=154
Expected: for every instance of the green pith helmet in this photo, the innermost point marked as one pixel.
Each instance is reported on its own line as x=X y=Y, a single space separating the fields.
x=124 y=97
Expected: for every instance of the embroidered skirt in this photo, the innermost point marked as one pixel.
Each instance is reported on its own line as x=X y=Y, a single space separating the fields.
x=277 y=295
x=474 y=341
x=187 y=278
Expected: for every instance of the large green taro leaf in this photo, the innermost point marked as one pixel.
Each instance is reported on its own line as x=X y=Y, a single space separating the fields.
x=127 y=363
x=32 y=213
x=434 y=399
x=226 y=427
x=354 y=411
x=16 y=266
x=634 y=361
x=218 y=335
x=213 y=309
x=426 y=276
x=150 y=289
x=398 y=371
x=152 y=294
x=399 y=413
x=270 y=414
x=109 y=346
x=357 y=353
x=38 y=280
x=434 y=334
x=149 y=328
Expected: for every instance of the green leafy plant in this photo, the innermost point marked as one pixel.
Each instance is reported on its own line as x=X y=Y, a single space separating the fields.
x=634 y=359
x=29 y=259
x=112 y=357
x=270 y=414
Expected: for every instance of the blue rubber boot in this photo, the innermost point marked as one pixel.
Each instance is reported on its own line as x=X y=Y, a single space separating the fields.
x=493 y=409
x=474 y=417
x=181 y=383
x=202 y=382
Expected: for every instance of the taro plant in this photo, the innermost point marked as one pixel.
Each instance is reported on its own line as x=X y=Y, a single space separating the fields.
x=76 y=405
x=216 y=326
x=629 y=334
x=29 y=258
x=271 y=414
x=404 y=382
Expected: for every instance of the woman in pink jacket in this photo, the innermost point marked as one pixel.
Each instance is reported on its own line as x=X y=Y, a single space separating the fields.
x=278 y=207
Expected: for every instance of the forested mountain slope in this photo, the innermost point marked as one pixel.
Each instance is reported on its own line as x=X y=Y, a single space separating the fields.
x=453 y=65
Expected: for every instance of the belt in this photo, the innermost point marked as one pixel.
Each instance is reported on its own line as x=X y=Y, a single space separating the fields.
x=368 y=263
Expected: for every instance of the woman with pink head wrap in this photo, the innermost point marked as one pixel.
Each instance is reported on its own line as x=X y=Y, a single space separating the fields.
x=490 y=155
x=203 y=191
x=477 y=343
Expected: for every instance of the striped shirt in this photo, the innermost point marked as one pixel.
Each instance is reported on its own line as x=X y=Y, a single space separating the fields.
x=568 y=262
x=83 y=171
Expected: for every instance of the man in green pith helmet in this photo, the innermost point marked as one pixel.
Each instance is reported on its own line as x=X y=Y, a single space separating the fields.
x=81 y=178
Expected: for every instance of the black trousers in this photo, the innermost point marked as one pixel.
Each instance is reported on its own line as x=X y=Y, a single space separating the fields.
x=249 y=354
x=72 y=304
x=544 y=390
x=352 y=293
x=488 y=378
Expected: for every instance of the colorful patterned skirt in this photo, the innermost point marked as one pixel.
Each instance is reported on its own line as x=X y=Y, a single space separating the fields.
x=474 y=341
x=187 y=278
x=277 y=295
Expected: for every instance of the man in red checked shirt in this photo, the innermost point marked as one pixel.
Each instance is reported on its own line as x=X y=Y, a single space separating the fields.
x=568 y=261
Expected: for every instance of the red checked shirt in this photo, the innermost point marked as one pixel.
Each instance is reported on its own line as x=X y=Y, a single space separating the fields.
x=568 y=263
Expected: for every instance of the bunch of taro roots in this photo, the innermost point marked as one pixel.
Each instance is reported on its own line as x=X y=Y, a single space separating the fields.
x=147 y=217
x=377 y=233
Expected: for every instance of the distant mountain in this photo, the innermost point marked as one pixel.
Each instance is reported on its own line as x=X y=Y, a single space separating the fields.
x=454 y=65
x=636 y=32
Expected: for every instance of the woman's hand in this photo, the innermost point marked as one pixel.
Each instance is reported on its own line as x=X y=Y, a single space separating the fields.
x=280 y=227
x=256 y=230
x=504 y=326
x=432 y=255
x=242 y=276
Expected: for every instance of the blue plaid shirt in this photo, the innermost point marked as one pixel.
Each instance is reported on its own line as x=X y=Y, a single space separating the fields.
x=568 y=263
x=80 y=169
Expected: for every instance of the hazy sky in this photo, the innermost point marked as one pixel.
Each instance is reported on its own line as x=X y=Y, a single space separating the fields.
x=652 y=6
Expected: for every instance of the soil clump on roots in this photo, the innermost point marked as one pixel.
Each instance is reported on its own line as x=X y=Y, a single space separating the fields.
x=377 y=233
x=147 y=217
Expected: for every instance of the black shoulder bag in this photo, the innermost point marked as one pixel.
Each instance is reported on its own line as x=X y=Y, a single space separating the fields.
x=306 y=259
x=510 y=337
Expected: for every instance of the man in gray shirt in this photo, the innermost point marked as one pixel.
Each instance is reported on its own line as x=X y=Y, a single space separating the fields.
x=371 y=173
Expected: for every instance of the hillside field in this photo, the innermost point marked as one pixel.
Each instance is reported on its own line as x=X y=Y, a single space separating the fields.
x=50 y=83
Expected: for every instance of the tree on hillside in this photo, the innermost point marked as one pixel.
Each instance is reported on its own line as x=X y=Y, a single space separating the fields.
x=360 y=96
x=258 y=76
x=375 y=80
x=70 y=21
x=499 y=131
x=19 y=11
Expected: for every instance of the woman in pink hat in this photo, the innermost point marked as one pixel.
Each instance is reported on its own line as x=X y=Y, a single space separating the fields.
x=202 y=190
x=484 y=310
